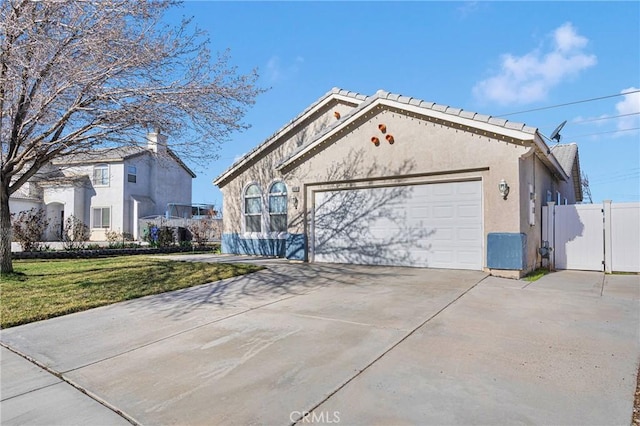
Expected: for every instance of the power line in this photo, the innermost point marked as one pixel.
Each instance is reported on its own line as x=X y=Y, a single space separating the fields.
x=569 y=103
x=601 y=133
x=605 y=118
x=614 y=177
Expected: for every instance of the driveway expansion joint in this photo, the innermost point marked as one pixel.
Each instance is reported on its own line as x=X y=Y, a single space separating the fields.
x=384 y=353
x=71 y=383
x=31 y=390
x=171 y=336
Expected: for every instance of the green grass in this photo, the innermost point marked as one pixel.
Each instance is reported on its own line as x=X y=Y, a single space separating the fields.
x=41 y=289
x=536 y=275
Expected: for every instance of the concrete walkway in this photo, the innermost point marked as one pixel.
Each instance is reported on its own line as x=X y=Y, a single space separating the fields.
x=350 y=344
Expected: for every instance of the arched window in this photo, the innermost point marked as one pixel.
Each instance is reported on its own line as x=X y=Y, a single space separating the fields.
x=278 y=207
x=253 y=208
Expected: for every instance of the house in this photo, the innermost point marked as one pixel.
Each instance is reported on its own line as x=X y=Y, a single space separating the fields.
x=108 y=189
x=392 y=180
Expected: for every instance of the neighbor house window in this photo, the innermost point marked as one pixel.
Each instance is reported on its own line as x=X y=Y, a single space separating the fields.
x=101 y=217
x=253 y=208
x=278 y=207
x=132 y=174
x=101 y=175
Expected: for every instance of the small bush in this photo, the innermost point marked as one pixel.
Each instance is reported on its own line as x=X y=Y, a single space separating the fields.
x=150 y=234
x=165 y=237
x=75 y=234
x=28 y=228
x=118 y=239
x=158 y=236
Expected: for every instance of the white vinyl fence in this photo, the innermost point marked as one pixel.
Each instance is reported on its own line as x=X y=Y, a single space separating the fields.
x=593 y=237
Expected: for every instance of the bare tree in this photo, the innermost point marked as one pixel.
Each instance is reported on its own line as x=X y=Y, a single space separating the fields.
x=80 y=75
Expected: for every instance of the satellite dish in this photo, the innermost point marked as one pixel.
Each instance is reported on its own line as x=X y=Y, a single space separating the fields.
x=556 y=133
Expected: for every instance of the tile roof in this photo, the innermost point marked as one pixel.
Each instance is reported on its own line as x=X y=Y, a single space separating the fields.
x=355 y=96
x=454 y=112
x=566 y=155
x=102 y=155
x=114 y=155
x=365 y=101
x=64 y=181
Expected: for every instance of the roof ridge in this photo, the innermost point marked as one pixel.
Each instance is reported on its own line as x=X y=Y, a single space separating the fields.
x=334 y=91
x=458 y=112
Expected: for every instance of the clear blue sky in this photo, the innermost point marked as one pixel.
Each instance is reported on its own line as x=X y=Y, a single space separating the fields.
x=489 y=57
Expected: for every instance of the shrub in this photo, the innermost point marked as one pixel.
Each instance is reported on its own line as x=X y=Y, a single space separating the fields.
x=75 y=234
x=158 y=236
x=165 y=237
x=150 y=234
x=200 y=230
x=28 y=228
x=118 y=239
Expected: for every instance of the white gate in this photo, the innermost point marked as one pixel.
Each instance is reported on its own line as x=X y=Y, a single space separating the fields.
x=624 y=228
x=593 y=237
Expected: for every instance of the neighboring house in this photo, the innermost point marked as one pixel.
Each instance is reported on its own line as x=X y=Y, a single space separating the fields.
x=392 y=180
x=109 y=189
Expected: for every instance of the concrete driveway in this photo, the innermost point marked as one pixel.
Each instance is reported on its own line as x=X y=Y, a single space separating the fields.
x=350 y=344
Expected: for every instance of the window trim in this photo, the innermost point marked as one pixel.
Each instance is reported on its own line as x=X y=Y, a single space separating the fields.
x=134 y=174
x=93 y=224
x=107 y=169
x=260 y=196
x=272 y=233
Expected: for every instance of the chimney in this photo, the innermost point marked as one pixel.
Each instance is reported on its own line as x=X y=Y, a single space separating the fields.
x=156 y=141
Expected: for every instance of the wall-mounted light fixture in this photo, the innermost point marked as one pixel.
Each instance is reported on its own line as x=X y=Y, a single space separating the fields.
x=503 y=187
x=295 y=202
x=375 y=141
x=390 y=139
x=382 y=128
x=336 y=114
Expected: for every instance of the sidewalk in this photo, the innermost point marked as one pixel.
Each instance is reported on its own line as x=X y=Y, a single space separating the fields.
x=31 y=395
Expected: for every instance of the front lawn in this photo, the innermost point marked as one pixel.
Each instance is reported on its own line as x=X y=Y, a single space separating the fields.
x=41 y=289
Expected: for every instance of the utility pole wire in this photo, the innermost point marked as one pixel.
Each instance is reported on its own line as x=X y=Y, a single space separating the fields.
x=604 y=133
x=569 y=103
x=589 y=120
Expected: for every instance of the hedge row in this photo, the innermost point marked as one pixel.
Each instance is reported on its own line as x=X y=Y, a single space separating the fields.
x=84 y=254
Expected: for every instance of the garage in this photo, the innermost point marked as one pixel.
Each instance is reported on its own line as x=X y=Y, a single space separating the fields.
x=435 y=225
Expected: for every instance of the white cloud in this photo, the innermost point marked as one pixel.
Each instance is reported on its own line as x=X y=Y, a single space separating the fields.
x=528 y=78
x=278 y=72
x=629 y=105
x=468 y=8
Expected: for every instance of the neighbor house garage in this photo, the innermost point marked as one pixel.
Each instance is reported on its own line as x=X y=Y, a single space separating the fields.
x=392 y=180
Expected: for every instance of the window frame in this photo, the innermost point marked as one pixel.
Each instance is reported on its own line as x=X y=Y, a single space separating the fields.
x=130 y=174
x=106 y=175
x=93 y=217
x=259 y=214
x=282 y=194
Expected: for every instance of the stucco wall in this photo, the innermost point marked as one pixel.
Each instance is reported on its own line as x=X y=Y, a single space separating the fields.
x=263 y=170
x=17 y=205
x=534 y=175
x=169 y=183
x=68 y=199
x=422 y=152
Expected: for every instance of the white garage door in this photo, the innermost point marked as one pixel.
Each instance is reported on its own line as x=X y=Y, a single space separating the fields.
x=432 y=225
